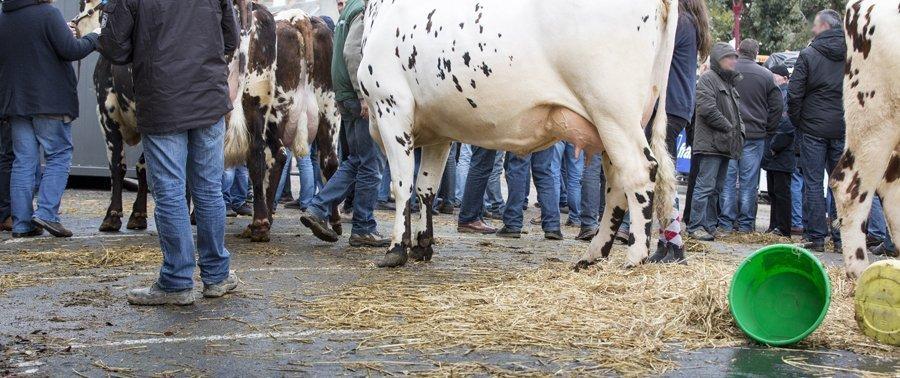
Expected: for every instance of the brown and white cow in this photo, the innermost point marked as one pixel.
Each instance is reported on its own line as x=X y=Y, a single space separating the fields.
x=520 y=77
x=871 y=161
x=284 y=100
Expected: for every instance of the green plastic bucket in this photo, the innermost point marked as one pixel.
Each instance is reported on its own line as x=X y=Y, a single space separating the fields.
x=780 y=294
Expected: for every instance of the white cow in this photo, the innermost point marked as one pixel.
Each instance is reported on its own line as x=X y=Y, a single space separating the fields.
x=871 y=161
x=520 y=76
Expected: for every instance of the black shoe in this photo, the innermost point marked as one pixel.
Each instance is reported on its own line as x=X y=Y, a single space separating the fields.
x=373 y=240
x=881 y=250
x=54 y=228
x=295 y=205
x=872 y=241
x=446 y=208
x=571 y=223
x=813 y=246
x=563 y=209
x=229 y=213
x=661 y=252
x=385 y=206
x=494 y=214
x=553 y=235
x=702 y=235
x=285 y=200
x=838 y=248
x=36 y=231
x=509 y=233
x=319 y=228
x=674 y=255
x=245 y=210
x=587 y=234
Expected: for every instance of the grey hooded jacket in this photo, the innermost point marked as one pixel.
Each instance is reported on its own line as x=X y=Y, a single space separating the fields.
x=718 y=129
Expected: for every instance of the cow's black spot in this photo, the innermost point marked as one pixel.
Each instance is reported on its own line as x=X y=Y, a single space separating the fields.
x=472 y=103
x=466 y=58
x=424 y=173
x=472 y=83
x=863 y=196
x=864 y=227
x=363 y=87
x=370 y=69
x=456 y=82
x=846 y=163
x=397 y=51
x=853 y=188
x=461 y=25
x=428 y=26
x=398 y=33
x=647 y=211
x=401 y=141
x=860 y=254
x=447 y=65
x=892 y=173
x=486 y=69
x=640 y=198
x=412 y=58
x=645 y=18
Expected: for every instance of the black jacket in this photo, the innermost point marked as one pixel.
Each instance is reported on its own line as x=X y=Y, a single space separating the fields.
x=718 y=129
x=761 y=101
x=178 y=51
x=780 y=155
x=36 y=48
x=815 y=97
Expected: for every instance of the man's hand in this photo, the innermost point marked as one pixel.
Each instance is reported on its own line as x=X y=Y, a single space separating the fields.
x=73 y=29
x=363 y=109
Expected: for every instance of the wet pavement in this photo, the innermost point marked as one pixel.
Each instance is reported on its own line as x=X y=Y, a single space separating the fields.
x=69 y=318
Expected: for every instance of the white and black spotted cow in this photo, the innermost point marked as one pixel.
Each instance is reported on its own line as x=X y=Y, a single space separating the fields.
x=284 y=100
x=520 y=77
x=871 y=160
x=116 y=110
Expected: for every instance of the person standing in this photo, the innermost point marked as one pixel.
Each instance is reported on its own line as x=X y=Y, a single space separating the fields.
x=718 y=137
x=182 y=97
x=593 y=197
x=38 y=101
x=572 y=173
x=780 y=162
x=361 y=171
x=471 y=210
x=761 y=108
x=815 y=107
x=544 y=166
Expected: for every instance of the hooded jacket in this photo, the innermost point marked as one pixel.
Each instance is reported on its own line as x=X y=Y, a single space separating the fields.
x=815 y=94
x=178 y=51
x=36 y=51
x=718 y=129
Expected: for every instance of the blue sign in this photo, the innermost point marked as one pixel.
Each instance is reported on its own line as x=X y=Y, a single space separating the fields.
x=683 y=160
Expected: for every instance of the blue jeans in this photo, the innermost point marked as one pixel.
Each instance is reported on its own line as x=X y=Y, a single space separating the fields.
x=29 y=136
x=307 y=178
x=235 y=186
x=711 y=171
x=574 y=171
x=878 y=225
x=362 y=169
x=816 y=156
x=493 y=197
x=482 y=164
x=544 y=166
x=462 y=170
x=6 y=161
x=194 y=158
x=740 y=204
x=797 y=199
x=447 y=190
x=593 y=193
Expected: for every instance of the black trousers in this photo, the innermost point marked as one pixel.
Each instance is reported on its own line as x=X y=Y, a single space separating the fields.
x=779 y=184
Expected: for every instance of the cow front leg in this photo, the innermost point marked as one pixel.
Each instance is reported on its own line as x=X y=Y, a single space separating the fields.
x=115 y=147
x=434 y=159
x=614 y=213
x=398 y=147
x=138 y=218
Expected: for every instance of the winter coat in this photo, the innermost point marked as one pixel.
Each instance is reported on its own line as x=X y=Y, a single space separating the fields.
x=680 y=98
x=718 y=129
x=177 y=49
x=815 y=96
x=36 y=51
x=761 y=100
x=347 y=51
x=780 y=154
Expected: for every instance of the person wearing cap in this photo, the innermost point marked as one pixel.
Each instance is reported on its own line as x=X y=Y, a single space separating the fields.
x=780 y=161
x=761 y=108
x=718 y=137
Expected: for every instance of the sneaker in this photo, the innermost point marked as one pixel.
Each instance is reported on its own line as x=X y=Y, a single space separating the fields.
x=506 y=232
x=245 y=210
x=496 y=214
x=7 y=224
x=155 y=296
x=882 y=250
x=813 y=246
x=373 y=240
x=721 y=233
x=587 y=234
x=872 y=241
x=294 y=205
x=446 y=208
x=319 y=228
x=476 y=227
x=798 y=231
x=622 y=236
x=838 y=248
x=553 y=235
x=230 y=213
x=572 y=223
x=536 y=221
x=54 y=228
x=221 y=288
x=286 y=200
x=702 y=235
x=385 y=206
x=36 y=231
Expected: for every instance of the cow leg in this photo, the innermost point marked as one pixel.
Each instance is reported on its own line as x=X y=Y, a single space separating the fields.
x=264 y=163
x=853 y=184
x=329 y=161
x=396 y=138
x=890 y=194
x=613 y=215
x=115 y=153
x=434 y=159
x=138 y=219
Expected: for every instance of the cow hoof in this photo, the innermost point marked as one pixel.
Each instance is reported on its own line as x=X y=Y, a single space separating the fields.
x=246 y=234
x=584 y=265
x=259 y=231
x=259 y=237
x=137 y=221
x=338 y=229
x=396 y=257
x=111 y=223
x=418 y=253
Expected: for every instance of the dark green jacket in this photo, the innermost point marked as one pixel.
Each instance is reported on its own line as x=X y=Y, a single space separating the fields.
x=718 y=129
x=340 y=76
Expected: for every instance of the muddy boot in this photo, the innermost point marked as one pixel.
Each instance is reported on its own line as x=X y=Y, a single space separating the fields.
x=217 y=290
x=675 y=255
x=155 y=296
x=661 y=252
x=319 y=228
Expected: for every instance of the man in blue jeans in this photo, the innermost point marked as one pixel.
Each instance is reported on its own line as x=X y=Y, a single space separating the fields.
x=593 y=198
x=235 y=187
x=362 y=168
x=761 y=108
x=544 y=166
x=6 y=160
x=181 y=100
x=471 y=211
x=573 y=169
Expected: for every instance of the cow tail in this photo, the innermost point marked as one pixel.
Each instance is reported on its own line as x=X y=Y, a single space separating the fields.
x=237 y=136
x=665 y=173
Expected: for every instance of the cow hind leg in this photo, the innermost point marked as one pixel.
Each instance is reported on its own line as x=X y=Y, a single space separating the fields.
x=138 y=219
x=112 y=222
x=329 y=163
x=434 y=159
x=396 y=132
x=890 y=194
x=613 y=215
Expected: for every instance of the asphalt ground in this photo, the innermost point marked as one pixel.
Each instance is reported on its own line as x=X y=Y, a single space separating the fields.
x=67 y=316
